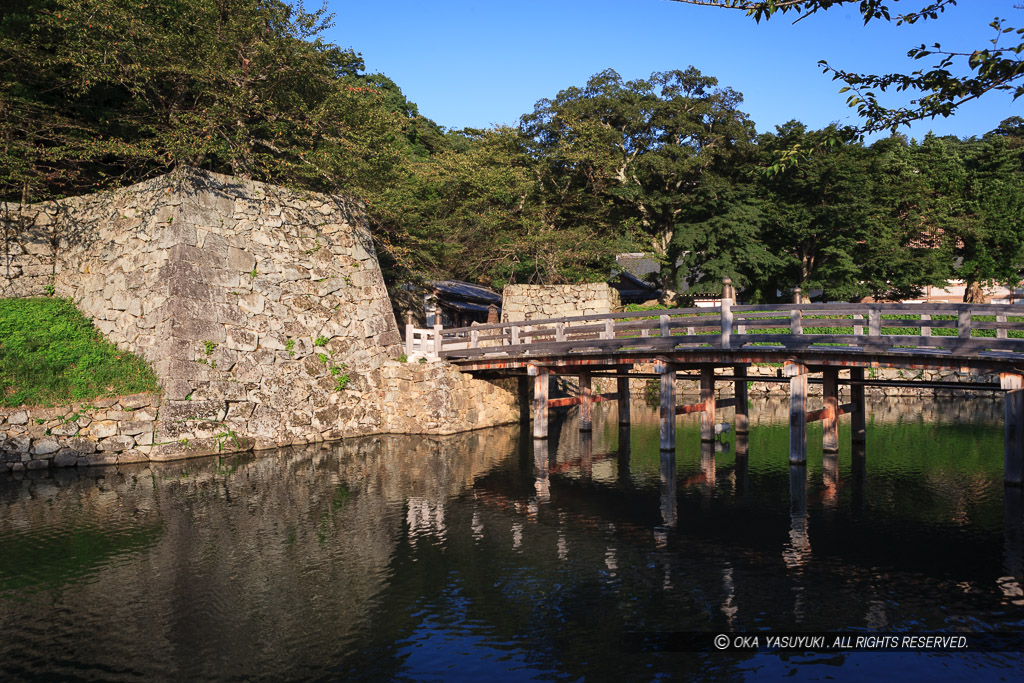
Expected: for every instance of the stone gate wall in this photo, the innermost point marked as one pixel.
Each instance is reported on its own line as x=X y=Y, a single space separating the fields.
x=536 y=302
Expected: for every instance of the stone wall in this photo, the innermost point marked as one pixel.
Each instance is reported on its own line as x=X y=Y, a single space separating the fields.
x=433 y=398
x=104 y=431
x=537 y=302
x=263 y=311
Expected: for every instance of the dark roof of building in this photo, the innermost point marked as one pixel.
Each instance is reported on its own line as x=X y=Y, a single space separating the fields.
x=465 y=306
x=637 y=264
x=465 y=291
x=632 y=289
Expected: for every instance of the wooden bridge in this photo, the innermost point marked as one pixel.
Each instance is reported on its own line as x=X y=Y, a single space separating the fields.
x=805 y=339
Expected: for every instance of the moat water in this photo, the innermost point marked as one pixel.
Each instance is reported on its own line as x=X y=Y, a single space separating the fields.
x=486 y=555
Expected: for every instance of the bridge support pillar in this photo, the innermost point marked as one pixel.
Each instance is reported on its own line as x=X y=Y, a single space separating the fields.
x=741 y=419
x=586 y=402
x=1013 y=385
x=667 y=412
x=797 y=374
x=707 y=397
x=622 y=385
x=540 y=400
x=830 y=422
x=524 y=399
x=858 y=418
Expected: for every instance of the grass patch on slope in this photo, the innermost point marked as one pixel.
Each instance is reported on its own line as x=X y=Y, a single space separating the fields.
x=50 y=354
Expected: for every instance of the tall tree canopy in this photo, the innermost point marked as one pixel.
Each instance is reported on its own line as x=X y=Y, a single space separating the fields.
x=956 y=76
x=99 y=90
x=637 y=157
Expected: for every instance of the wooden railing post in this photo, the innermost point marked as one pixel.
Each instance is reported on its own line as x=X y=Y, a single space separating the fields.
x=874 y=323
x=663 y=323
x=1001 y=331
x=560 y=332
x=726 y=306
x=858 y=329
x=474 y=339
x=925 y=331
x=437 y=341
x=609 y=329
x=796 y=325
x=515 y=334
x=963 y=324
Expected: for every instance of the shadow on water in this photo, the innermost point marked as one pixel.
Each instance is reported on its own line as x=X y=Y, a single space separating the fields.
x=492 y=554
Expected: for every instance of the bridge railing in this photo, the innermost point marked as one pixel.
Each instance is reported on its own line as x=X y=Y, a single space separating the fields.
x=953 y=328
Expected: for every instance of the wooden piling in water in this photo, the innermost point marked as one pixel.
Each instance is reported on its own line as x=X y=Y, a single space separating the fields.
x=707 y=397
x=525 y=407
x=1013 y=445
x=623 y=474
x=830 y=421
x=540 y=401
x=797 y=373
x=622 y=384
x=667 y=412
x=742 y=417
x=586 y=402
x=858 y=418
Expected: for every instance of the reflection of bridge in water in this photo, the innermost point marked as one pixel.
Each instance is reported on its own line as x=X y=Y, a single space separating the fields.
x=564 y=478
x=805 y=339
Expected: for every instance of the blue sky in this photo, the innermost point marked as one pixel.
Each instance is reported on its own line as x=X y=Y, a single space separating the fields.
x=476 y=64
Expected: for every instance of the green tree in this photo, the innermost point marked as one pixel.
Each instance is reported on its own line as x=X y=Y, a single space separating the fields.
x=104 y=91
x=848 y=220
x=955 y=77
x=477 y=212
x=974 y=202
x=631 y=157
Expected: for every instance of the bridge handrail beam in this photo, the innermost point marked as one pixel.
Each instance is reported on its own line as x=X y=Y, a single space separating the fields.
x=730 y=326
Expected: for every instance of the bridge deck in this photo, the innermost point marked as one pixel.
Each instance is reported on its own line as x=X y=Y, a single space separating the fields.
x=805 y=338
x=985 y=338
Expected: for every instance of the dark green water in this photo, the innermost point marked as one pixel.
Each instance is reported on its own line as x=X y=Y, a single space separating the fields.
x=460 y=558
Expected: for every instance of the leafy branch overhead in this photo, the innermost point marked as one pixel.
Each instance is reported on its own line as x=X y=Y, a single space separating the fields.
x=955 y=76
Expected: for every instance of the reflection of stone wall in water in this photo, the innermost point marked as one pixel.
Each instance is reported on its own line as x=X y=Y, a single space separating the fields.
x=769 y=410
x=252 y=302
x=690 y=387
x=195 y=589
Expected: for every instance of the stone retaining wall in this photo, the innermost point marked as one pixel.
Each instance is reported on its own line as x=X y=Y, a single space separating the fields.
x=536 y=302
x=262 y=310
x=104 y=431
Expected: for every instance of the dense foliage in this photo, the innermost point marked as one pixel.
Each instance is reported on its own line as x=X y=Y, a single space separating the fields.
x=95 y=93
